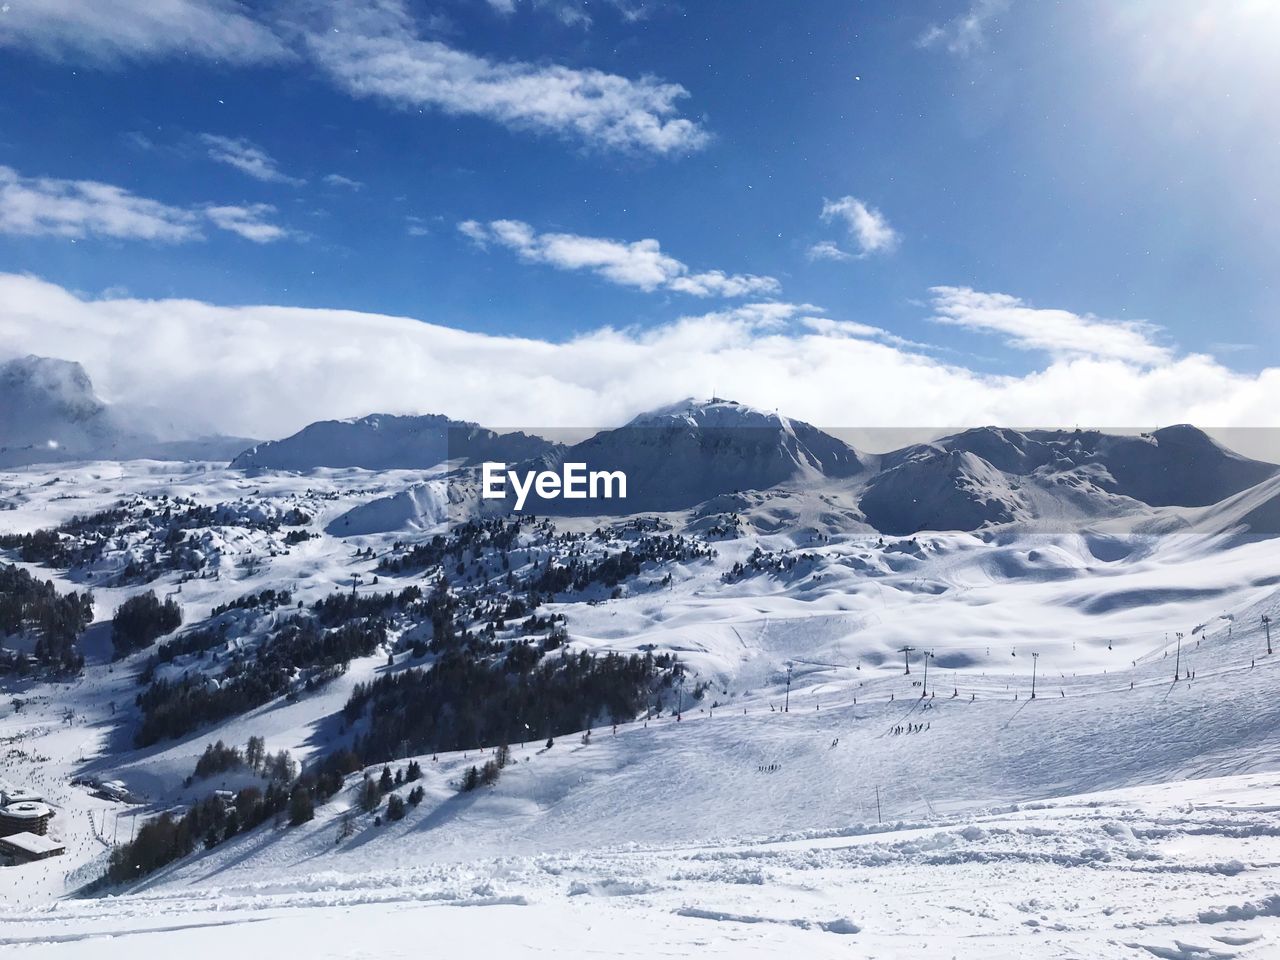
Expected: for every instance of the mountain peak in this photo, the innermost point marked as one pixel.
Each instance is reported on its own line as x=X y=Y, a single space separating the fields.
x=1184 y=433
x=379 y=421
x=687 y=452
x=713 y=413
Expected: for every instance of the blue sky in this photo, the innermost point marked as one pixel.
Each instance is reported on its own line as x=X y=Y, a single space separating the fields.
x=1104 y=167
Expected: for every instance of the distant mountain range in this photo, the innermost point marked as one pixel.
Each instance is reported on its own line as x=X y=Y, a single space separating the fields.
x=718 y=455
x=722 y=457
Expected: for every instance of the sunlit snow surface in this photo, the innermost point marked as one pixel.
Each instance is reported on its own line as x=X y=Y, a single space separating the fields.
x=740 y=830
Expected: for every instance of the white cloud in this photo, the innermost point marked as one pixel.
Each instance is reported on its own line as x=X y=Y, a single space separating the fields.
x=246 y=157
x=107 y=31
x=75 y=209
x=79 y=209
x=717 y=283
x=867 y=227
x=1059 y=333
x=851 y=328
x=828 y=250
x=475 y=231
x=377 y=52
x=190 y=359
x=968 y=32
x=249 y=221
x=640 y=264
x=338 y=180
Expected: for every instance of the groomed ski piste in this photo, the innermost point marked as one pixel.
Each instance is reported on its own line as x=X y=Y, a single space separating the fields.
x=857 y=811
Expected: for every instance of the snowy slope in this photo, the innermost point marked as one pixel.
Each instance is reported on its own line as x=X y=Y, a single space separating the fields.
x=421 y=507
x=951 y=490
x=1138 y=873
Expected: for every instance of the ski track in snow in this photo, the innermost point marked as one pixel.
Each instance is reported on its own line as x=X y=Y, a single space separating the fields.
x=1120 y=874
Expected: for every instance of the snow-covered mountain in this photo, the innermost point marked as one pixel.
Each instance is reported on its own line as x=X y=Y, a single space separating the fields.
x=992 y=475
x=682 y=454
x=1174 y=466
x=416 y=509
x=388 y=442
x=49 y=413
x=723 y=458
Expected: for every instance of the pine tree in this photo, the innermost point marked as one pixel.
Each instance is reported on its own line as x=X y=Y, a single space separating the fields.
x=395 y=807
x=370 y=796
x=471 y=780
x=255 y=752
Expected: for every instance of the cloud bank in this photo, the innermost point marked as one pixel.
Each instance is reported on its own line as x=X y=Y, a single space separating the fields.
x=266 y=371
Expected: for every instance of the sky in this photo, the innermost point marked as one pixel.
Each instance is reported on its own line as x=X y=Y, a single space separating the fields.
x=244 y=217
